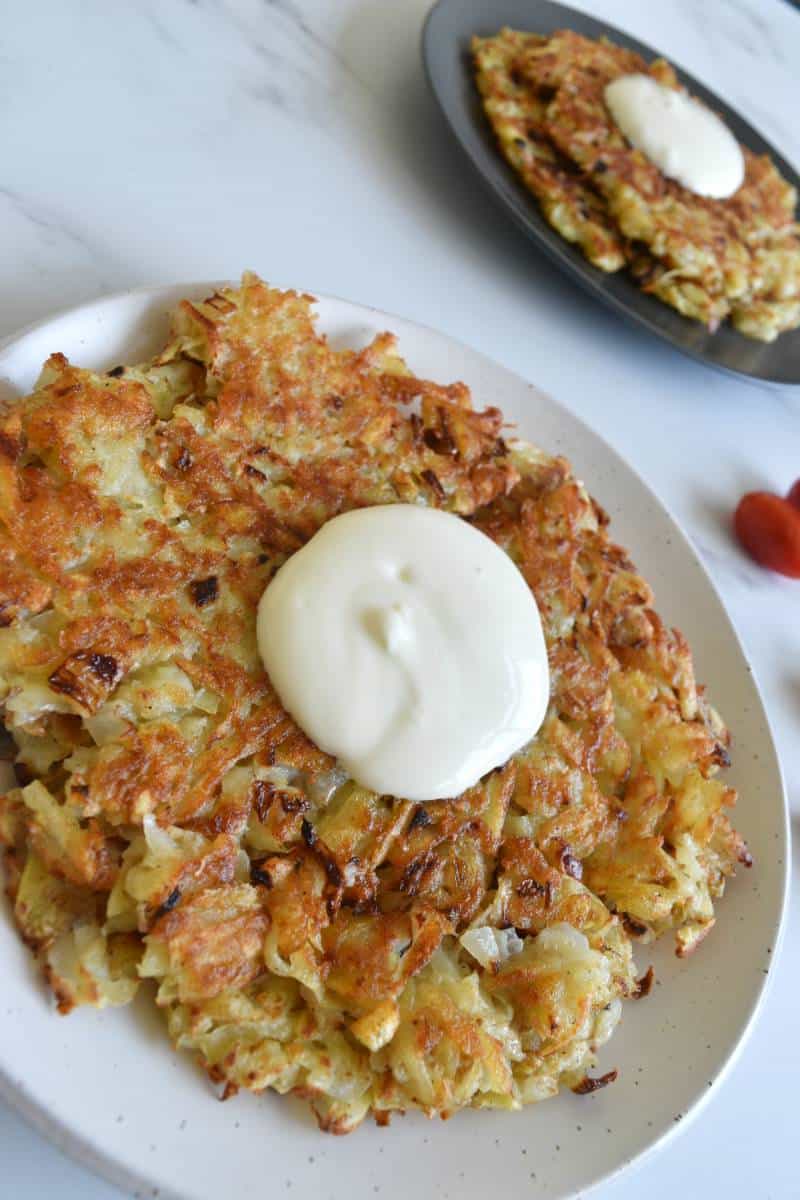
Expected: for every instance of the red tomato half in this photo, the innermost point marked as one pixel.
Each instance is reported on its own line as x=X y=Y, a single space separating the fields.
x=769 y=529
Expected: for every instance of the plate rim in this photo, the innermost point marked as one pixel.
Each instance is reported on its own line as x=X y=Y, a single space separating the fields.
x=555 y=248
x=57 y=1129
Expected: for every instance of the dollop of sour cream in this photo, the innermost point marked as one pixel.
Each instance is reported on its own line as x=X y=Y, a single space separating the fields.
x=407 y=644
x=683 y=138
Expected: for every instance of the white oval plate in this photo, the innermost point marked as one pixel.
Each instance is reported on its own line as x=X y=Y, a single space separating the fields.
x=108 y=1088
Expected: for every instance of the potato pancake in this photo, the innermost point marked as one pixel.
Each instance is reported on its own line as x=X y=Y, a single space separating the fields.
x=738 y=257
x=172 y=822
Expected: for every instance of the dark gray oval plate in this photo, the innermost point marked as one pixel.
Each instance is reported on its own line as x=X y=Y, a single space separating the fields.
x=445 y=48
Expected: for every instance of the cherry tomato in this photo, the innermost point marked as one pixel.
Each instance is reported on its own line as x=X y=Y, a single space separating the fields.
x=793 y=495
x=769 y=529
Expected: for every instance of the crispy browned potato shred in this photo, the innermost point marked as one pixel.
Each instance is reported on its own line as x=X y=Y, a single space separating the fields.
x=172 y=823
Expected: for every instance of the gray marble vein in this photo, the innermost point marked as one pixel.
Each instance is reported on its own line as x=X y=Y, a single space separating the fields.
x=53 y=228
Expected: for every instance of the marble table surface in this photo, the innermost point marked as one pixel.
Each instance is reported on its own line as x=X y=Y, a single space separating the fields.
x=174 y=140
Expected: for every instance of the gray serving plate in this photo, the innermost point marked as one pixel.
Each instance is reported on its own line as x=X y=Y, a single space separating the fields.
x=445 y=47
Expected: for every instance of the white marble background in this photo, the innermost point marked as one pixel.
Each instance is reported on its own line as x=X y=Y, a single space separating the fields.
x=171 y=140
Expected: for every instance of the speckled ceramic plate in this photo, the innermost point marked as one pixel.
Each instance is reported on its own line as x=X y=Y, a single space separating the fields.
x=445 y=44
x=107 y=1086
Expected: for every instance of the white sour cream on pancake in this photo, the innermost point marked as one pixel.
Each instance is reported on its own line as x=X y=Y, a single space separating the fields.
x=680 y=136
x=407 y=644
